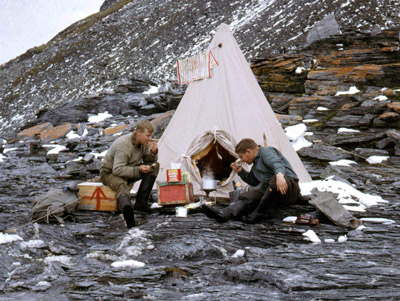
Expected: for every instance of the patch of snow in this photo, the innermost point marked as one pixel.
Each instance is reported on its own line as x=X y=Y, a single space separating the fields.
x=55 y=148
x=300 y=143
x=310 y=120
x=133 y=244
x=6 y=238
x=128 y=264
x=380 y=98
x=290 y=219
x=343 y=190
x=43 y=284
x=30 y=244
x=311 y=236
x=295 y=131
x=72 y=135
x=378 y=220
x=99 y=117
x=352 y=90
x=238 y=253
x=299 y=70
x=344 y=130
x=347 y=201
x=97 y=155
x=343 y=162
x=6 y=150
x=329 y=240
x=376 y=159
x=342 y=238
x=101 y=255
x=322 y=109
x=359 y=208
x=61 y=258
x=152 y=90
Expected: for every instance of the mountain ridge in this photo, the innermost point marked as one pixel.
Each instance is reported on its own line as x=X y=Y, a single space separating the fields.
x=129 y=39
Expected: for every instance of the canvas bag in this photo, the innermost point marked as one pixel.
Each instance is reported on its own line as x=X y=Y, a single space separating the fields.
x=54 y=205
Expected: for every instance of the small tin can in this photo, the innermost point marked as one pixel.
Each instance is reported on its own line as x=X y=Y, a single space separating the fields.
x=237 y=185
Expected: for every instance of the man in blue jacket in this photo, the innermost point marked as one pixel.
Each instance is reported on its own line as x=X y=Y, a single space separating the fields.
x=273 y=181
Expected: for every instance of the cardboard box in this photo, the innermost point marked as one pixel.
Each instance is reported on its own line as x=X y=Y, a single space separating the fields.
x=97 y=196
x=174 y=175
x=179 y=193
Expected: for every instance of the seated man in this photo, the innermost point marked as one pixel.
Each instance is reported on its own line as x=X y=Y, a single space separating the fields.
x=276 y=180
x=131 y=158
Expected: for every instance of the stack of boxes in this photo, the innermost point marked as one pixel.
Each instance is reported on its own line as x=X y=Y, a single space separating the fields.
x=177 y=190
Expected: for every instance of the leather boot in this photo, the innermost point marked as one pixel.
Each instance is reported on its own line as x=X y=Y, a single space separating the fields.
x=124 y=204
x=235 y=209
x=214 y=213
x=223 y=215
x=267 y=201
x=143 y=194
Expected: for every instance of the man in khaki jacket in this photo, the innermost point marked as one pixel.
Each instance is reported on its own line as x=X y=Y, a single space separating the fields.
x=131 y=158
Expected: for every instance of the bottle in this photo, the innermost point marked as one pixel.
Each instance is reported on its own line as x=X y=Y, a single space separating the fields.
x=237 y=185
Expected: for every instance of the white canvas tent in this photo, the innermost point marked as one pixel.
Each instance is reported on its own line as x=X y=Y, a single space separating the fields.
x=227 y=107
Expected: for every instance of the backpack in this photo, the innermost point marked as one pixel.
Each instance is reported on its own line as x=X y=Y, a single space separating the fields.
x=54 y=205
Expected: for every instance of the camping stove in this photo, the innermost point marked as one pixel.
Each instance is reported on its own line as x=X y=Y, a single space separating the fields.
x=208 y=186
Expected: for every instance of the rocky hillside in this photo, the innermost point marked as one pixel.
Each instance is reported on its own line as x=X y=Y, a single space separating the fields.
x=347 y=81
x=344 y=88
x=130 y=38
x=350 y=80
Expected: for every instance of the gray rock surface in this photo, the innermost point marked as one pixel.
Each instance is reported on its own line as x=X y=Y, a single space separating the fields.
x=323 y=29
x=145 y=37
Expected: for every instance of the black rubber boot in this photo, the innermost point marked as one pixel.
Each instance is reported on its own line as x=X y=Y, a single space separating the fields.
x=143 y=194
x=234 y=210
x=124 y=204
x=214 y=213
x=267 y=201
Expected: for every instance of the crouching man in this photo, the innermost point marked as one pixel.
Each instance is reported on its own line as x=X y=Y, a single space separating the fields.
x=277 y=184
x=131 y=158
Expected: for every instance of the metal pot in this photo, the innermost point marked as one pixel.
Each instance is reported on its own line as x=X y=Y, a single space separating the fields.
x=208 y=184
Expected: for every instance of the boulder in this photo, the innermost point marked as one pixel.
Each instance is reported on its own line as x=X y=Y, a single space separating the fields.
x=323 y=29
x=324 y=152
x=160 y=122
x=35 y=130
x=362 y=153
x=56 y=132
x=114 y=130
x=329 y=206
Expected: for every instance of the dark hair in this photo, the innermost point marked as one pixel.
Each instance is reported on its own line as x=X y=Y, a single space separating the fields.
x=144 y=125
x=244 y=145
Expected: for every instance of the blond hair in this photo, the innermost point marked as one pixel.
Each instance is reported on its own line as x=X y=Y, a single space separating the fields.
x=144 y=125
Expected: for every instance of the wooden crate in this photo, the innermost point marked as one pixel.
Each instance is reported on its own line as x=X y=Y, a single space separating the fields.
x=179 y=193
x=97 y=196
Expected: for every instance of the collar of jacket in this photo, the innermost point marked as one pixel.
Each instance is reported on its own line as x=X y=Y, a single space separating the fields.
x=133 y=139
x=258 y=154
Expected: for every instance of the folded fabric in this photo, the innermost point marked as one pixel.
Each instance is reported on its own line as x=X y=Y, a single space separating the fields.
x=196 y=67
